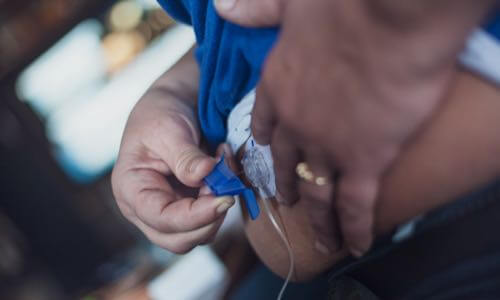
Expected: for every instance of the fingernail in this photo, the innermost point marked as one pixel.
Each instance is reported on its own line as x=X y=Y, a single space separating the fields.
x=224 y=4
x=356 y=252
x=321 y=248
x=223 y=204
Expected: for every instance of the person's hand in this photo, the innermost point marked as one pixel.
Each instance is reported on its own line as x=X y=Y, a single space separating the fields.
x=347 y=84
x=159 y=159
x=251 y=13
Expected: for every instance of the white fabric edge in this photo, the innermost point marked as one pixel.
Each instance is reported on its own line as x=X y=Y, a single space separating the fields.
x=482 y=55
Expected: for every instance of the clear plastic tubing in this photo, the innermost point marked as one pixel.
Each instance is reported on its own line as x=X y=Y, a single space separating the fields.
x=287 y=245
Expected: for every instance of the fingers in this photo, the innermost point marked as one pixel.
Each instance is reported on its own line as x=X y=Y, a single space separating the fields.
x=168 y=219
x=263 y=118
x=251 y=13
x=160 y=208
x=355 y=208
x=180 y=243
x=146 y=194
x=181 y=215
x=285 y=159
x=320 y=207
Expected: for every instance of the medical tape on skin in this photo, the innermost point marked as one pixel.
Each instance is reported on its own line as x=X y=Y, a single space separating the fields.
x=258 y=167
x=257 y=163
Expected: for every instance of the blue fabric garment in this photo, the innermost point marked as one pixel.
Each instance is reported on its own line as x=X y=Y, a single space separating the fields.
x=230 y=59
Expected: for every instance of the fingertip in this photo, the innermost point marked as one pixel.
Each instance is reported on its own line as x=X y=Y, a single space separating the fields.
x=223 y=204
x=204 y=167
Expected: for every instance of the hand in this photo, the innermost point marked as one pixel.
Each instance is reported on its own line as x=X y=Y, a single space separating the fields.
x=348 y=83
x=251 y=13
x=160 y=148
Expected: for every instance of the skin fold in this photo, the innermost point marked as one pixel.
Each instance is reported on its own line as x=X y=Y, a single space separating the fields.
x=455 y=153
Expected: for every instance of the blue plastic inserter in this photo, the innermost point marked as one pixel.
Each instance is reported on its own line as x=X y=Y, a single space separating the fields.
x=223 y=182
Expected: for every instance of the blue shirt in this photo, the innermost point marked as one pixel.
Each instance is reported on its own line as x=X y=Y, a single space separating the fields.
x=230 y=59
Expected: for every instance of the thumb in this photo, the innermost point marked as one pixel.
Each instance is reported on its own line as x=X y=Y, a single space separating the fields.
x=251 y=13
x=190 y=164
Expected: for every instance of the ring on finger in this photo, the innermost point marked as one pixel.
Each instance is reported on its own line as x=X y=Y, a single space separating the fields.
x=305 y=173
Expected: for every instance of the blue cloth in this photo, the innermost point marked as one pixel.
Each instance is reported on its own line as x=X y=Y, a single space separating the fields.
x=230 y=59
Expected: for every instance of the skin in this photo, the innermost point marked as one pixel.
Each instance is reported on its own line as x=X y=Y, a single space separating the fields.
x=157 y=180
x=456 y=153
x=348 y=98
x=158 y=174
x=414 y=185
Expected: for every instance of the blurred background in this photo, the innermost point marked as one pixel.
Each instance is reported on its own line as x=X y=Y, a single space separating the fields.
x=70 y=72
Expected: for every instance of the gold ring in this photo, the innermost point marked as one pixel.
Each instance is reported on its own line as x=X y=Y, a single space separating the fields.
x=306 y=174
